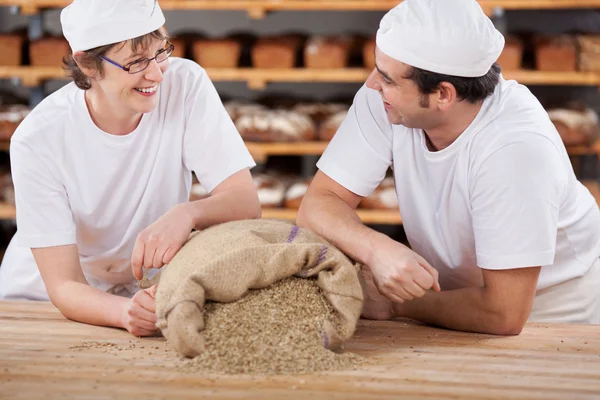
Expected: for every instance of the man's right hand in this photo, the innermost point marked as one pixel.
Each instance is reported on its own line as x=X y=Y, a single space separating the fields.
x=399 y=273
x=139 y=313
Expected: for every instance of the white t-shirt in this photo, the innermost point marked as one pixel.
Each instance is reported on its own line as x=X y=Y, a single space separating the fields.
x=502 y=196
x=75 y=183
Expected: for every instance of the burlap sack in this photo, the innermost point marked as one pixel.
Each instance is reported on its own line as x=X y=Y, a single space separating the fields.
x=223 y=262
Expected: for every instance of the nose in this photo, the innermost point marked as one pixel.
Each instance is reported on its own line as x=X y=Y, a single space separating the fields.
x=155 y=71
x=373 y=82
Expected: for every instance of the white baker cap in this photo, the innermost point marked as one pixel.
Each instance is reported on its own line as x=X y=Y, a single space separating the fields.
x=92 y=23
x=452 y=37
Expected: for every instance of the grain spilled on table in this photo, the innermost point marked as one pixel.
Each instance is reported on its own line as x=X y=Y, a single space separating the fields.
x=276 y=330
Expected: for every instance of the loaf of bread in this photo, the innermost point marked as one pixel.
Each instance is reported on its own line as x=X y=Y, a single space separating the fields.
x=511 y=57
x=330 y=126
x=555 y=53
x=319 y=111
x=271 y=190
x=180 y=49
x=322 y=52
x=589 y=55
x=276 y=126
x=216 y=53
x=48 y=51
x=295 y=193
x=276 y=51
x=12 y=50
x=10 y=118
x=369 y=54
x=384 y=197
x=237 y=108
x=575 y=126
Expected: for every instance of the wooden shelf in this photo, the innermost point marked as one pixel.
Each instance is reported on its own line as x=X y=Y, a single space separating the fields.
x=258 y=78
x=7 y=211
x=584 y=150
x=262 y=151
x=383 y=217
x=391 y=217
x=32 y=76
x=259 y=8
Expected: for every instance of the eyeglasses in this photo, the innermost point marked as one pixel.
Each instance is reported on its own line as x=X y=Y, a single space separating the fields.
x=141 y=64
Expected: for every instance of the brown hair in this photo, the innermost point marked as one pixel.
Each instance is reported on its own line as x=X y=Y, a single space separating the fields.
x=469 y=89
x=91 y=58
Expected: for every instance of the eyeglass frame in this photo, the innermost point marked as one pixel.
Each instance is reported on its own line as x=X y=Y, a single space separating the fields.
x=127 y=67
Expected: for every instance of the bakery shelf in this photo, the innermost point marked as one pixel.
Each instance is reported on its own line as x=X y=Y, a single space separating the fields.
x=259 y=8
x=392 y=217
x=583 y=150
x=384 y=217
x=258 y=78
x=531 y=77
x=261 y=151
x=32 y=76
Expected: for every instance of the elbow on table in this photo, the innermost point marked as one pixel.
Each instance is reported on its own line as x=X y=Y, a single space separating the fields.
x=507 y=323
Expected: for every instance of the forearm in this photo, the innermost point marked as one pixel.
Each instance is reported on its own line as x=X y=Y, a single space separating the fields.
x=469 y=309
x=333 y=219
x=223 y=207
x=83 y=303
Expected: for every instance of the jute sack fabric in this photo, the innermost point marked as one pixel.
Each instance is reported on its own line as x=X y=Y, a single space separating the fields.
x=225 y=261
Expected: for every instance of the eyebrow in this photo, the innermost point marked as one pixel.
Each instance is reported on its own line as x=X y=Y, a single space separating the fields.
x=384 y=74
x=139 y=56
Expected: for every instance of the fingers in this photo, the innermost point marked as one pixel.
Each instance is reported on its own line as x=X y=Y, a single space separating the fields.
x=169 y=254
x=139 y=332
x=152 y=291
x=146 y=301
x=159 y=256
x=137 y=259
x=149 y=252
x=433 y=272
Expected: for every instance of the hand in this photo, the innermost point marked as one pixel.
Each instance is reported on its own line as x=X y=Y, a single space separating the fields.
x=399 y=273
x=139 y=314
x=156 y=245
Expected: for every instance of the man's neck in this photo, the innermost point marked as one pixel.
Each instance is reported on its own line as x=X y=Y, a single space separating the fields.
x=109 y=119
x=443 y=135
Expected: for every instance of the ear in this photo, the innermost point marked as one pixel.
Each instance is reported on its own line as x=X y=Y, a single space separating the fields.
x=446 y=96
x=79 y=57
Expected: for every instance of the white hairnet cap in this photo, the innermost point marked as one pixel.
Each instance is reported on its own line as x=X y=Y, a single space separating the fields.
x=452 y=37
x=92 y=23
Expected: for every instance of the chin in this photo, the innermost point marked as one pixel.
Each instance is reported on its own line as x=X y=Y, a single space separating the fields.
x=146 y=105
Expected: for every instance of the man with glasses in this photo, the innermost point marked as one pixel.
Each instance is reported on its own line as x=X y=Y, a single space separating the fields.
x=102 y=168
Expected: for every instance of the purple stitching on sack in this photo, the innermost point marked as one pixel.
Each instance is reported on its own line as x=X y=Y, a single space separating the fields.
x=293 y=234
x=325 y=340
x=322 y=254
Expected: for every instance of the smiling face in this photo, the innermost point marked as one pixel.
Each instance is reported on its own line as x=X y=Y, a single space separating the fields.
x=132 y=93
x=403 y=102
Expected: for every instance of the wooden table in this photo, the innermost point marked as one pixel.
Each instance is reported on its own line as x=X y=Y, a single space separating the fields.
x=41 y=357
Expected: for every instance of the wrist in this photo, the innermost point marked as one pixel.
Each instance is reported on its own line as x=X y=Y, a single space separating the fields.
x=191 y=212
